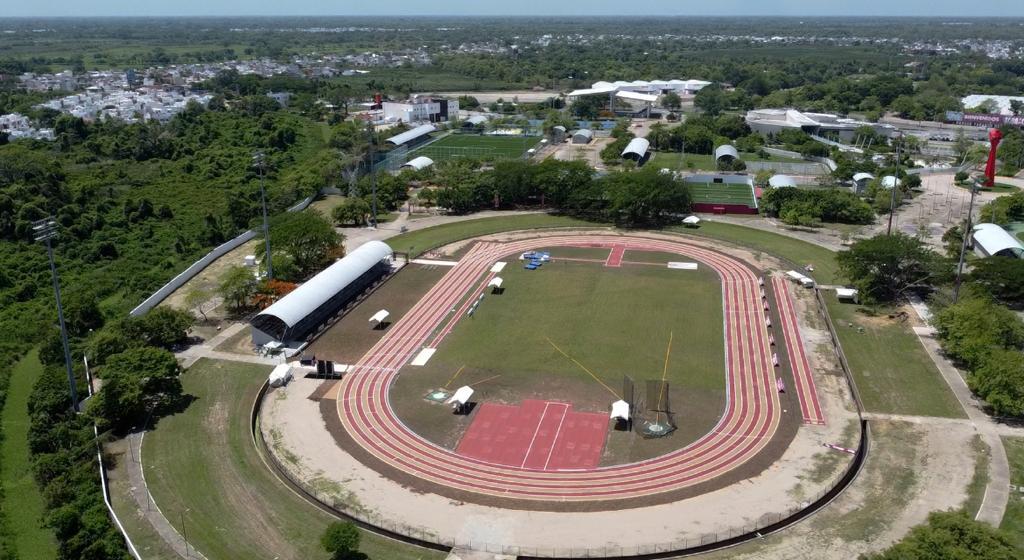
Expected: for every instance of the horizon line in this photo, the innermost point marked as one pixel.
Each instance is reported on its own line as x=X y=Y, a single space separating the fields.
x=520 y=16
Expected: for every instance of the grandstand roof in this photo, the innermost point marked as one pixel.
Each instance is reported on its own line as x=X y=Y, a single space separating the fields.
x=637 y=147
x=637 y=96
x=995 y=240
x=413 y=134
x=305 y=299
x=726 y=150
x=419 y=163
x=778 y=181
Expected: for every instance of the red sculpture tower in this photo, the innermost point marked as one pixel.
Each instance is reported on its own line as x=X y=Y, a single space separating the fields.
x=994 y=136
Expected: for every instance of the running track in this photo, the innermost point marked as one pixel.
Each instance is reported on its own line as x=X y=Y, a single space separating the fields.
x=750 y=419
x=806 y=393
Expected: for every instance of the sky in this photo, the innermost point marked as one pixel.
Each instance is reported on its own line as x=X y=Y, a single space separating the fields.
x=35 y=8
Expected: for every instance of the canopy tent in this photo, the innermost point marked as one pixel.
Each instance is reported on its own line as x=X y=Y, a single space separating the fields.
x=379 y=317
x=847 y=294
x=859 y=177
x=691 y=220
x=800 y=279
x=991 y=240
x=889 y=182
x=637 y=148
x=495 y=282
x=620 y=410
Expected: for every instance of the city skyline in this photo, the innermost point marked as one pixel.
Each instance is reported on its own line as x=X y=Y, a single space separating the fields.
x=795 y=8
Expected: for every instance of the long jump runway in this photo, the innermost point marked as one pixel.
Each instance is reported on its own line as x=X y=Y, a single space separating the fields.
x=751 y=416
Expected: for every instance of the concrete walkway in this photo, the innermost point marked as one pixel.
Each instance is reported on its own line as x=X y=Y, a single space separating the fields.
x=192 y=354
x=147 y=505
x=997 y=493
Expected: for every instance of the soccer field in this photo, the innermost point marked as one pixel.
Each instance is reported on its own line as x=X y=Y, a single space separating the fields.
x=475 y=146
x=569 y=332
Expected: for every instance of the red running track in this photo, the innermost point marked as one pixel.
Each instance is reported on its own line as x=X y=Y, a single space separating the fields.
x=750 y=419
x=615 y=257
x=806 y=392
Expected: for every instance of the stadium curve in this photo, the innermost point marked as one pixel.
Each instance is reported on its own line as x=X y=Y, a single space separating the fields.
x=750 y=419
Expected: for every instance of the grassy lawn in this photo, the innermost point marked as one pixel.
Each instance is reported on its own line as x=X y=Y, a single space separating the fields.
x=476 y=146
x=706 y=162
x=976 y=489
x=613 y=321
x=417 y=242
x=997 y=188
x=22 y=501
x=147 y=541
x=202 y=467
x=894 y=373
x=794 y=250
x=1013 y=519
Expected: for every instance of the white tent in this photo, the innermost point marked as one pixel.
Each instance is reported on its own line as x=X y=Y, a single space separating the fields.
x=691 y=220
x=620 y=410
x=847 y=294
x=495 y=282
x=281 y=375
x=379 y=317
x=461 y=398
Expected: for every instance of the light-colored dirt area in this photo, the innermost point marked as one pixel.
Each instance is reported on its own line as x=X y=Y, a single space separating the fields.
x=209 y=279
x=939 y=206
x=294 y=428
x=590 y=153
x=912 y=469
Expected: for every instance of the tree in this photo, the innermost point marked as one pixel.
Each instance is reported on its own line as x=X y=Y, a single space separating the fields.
x=135 y=382
x=341 y=540
x=671 y=100
x=307 y=237
x=950 y=535
x=711 y=99
x=196 y=298
x=352 y=211
x=1000 y=381
x=237 y=285
x=974 y=327
x=962 y=145
x=1016 y=106
x=164 y=327
x=886 y=267
x=1001 y=277
x=644 y=197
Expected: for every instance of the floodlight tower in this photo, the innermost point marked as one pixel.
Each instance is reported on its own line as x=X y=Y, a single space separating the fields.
x=975 y=187
x=895 y=183
x=373 y=175
x=260 y=160
x=45 y=230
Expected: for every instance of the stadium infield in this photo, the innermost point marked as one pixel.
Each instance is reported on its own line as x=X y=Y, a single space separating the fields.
x=613 y=321
x=751 y=433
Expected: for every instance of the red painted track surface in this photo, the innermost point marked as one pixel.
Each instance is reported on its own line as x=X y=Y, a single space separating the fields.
x=535 y=435
x=615 y=257
x=806 y=392
x=750 y=419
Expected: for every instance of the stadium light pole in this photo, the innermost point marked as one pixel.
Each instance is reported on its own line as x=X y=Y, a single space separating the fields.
x=260 y=160
x=895 y=184
x=45 y=230
x=963 y=244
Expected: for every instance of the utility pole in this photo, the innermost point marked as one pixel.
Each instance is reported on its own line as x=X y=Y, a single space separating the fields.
x=963 y=246
x=895 y=184
x=45 y=231
x=261 y=160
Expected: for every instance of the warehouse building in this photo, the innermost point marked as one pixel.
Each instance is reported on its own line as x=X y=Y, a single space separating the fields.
x=420 y=109
x=295 y=316
x=773 y=121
